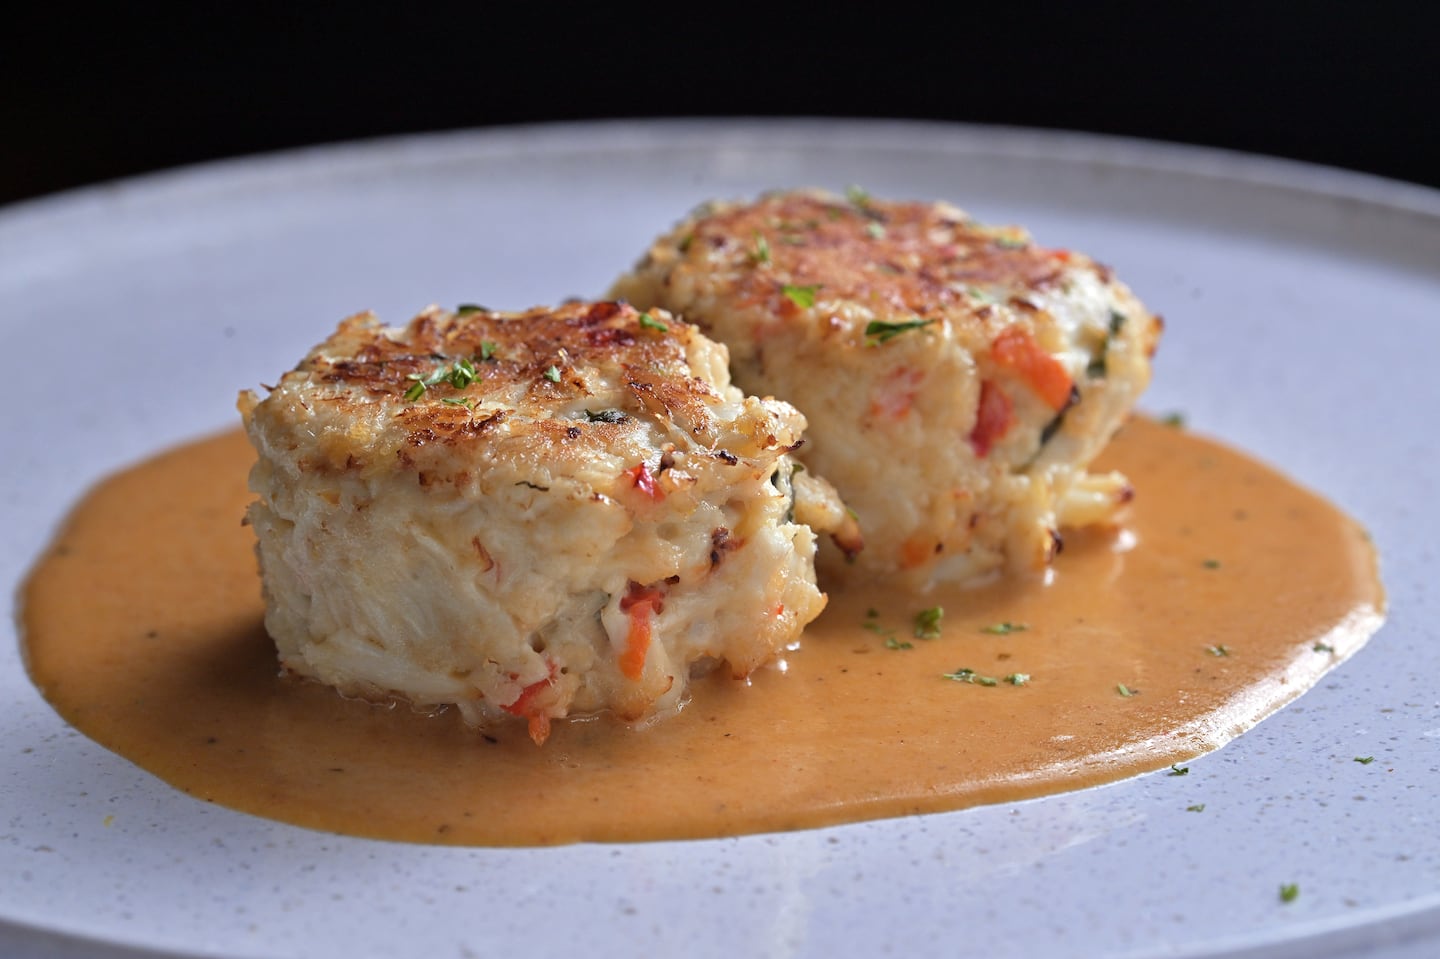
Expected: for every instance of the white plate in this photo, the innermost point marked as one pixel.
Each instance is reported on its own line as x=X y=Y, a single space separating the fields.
x=1303 y=310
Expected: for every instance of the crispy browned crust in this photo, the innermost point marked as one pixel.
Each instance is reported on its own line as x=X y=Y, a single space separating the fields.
x=538 y=374
x=920 y=258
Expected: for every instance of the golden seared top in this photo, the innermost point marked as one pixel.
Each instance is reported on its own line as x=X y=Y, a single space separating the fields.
x=788 y=250
x=549 y=386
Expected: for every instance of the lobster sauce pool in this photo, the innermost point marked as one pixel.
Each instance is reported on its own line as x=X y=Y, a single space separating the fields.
x=1229 y=591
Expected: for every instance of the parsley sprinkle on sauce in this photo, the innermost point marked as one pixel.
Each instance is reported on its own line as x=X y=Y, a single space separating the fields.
x=1004 y=629
x=1364 y=760
x=1220 y=650
x=1289 y=892
x=1018 y=679
x=553 y=374
x=649 y=322
x=1125 y=691
x=1178 y=770
x=927 y=622
x=965 y=675
x=1198 y=807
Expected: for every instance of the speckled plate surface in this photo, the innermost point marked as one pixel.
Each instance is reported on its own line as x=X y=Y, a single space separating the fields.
x=1303 y=310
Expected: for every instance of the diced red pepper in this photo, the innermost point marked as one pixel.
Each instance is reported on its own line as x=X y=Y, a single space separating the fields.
x=641 y=603
x=1015 y=350
x=524 y=705
x=644 y=480
x=993 y=420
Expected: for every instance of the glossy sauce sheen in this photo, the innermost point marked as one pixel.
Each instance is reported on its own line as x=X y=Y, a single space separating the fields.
x=1231 y=591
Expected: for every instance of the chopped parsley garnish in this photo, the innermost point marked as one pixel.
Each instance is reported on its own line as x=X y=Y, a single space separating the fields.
x=871 y=613
x=1174 y=420
x=469 y=402
x=462 y=374
x=1125 y=691
x=553 y=374
x=879 y=331
x=875 y=229
x=1004 y=629
x=424 y=382
x=760 y=253
x=1198 y=807
x=1011 y=243
x=465 y=309
x=1289 y=892
x=1364 y=760
x=801 y=296
x=1323 y=648
x=606 y=416
x=892 y=643
x=649 y=322
x=1178 y=770
x=1117 y=320
x=857 y=195
x=685 y=241
x=964 y=675
x=927 y=622
x=1211 y=564
x=1220 y=650
x=1018 y=679
x=487 y=350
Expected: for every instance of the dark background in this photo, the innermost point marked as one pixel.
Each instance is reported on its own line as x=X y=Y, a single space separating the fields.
x=87 y=95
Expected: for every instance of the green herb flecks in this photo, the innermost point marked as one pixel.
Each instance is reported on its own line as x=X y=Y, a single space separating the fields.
x=1011 y=242
x=487 y=350
x=927 y=622
x=1178 y=771
x=1018 y=679
x=1364 y=760
x=649 y=322
x=879 y=331
x=1211 y=564
x=423 y=381
x=801 y=296
x=1323 y=648
x=1289 y=892
x=1174 y=420
x=462 y=374
x=858 y=196
x=1198 y=807
x=605 y=416
x=760 y=252
x=469 y=402
x=1099 y=365
x=892 y=643
x=1126 y=691
x=553 y=374
x=1004 y=629
x=465 y=309
x=1217 y=651
x=875 y=229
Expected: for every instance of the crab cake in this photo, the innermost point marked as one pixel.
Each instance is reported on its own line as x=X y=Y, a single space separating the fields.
x=958 y=378
x=537 y=514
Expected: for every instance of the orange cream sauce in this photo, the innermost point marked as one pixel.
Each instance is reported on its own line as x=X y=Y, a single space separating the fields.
x=1230 y=591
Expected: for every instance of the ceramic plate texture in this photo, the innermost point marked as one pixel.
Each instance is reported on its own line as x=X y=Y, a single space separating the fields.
x=1303 y=325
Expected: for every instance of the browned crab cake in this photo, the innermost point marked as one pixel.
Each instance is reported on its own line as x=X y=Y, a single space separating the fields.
x=957 y=378
x=533 y=514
